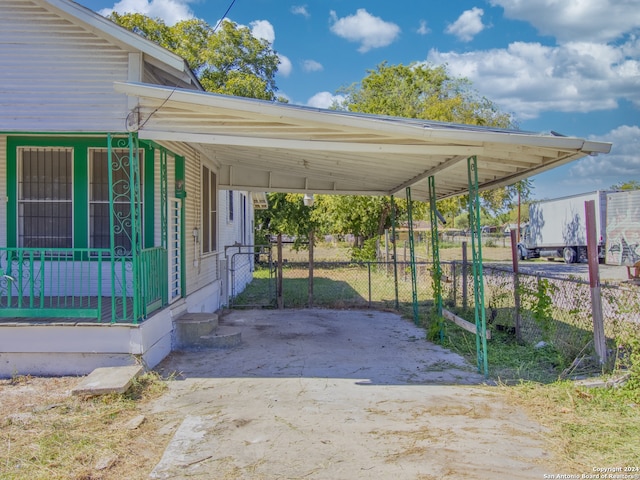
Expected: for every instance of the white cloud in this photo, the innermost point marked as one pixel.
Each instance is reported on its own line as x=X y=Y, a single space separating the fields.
x=423 y=29
x=300 y=10
x=575 y=20
x=364 y=28
x=324 y=100
x=468 y=25
x=622 y=164
x=170 y=11
x=284 y=67
x=263 y=30
x=529 y=78
x=312 y=66
x=595 y=173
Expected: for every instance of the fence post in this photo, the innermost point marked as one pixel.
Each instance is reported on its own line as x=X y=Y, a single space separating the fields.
x=454 y=282
x=369 y=268
x=599 y=339
x=279 y=299
x=516 y=282
x=464 y=276
x=311 y=240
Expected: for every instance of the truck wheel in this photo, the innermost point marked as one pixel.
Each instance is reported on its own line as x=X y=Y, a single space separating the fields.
x=569 y=255
x=521 y=253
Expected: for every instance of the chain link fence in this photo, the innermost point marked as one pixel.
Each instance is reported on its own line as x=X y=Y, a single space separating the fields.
x=552 y=315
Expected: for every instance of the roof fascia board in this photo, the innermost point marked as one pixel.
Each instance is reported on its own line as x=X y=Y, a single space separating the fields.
x=100 y=24
x=409 y=128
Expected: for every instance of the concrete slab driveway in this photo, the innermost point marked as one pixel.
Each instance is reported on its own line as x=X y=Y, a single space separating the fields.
x=326 y=394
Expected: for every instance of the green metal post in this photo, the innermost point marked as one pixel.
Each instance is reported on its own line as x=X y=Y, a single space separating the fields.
x=164 y=216
x=478 y=280
x=112 y=233
x=395 y=256
x=164 y=212
x=136 y=229
x=412 y=256
x=435 y=248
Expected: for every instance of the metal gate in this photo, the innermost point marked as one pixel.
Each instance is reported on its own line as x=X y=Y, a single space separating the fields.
x=251 y=277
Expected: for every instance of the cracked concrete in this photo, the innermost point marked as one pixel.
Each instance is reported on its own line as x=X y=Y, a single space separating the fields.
x=328 y=394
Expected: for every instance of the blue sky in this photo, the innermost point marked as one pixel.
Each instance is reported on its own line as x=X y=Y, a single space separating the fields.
x=571 y=66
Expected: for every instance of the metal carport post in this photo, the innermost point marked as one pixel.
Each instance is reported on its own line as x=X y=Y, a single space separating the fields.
x=478 y=280
x=435 y=248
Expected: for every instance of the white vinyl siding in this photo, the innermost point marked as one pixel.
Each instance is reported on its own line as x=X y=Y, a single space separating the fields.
x=57 y=76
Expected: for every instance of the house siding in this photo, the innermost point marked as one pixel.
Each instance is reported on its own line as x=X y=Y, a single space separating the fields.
x=57 y=76
x=239 y=260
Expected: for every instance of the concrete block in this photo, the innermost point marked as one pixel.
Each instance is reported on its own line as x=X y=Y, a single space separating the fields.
x=107 y=380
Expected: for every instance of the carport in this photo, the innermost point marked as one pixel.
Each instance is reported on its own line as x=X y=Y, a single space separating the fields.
x=275 y=147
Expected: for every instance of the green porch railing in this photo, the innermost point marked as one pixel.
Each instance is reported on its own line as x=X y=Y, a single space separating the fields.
x=154 y=272
x=80 y=283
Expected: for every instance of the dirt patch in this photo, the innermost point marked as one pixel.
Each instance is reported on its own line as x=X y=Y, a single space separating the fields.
x=46 y=433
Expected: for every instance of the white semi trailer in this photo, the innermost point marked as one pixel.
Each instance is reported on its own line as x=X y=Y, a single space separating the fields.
x=557 y=228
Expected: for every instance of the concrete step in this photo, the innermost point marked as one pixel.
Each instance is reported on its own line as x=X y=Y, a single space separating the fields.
x=191 y=326
x=221 y=337
x=106 y=380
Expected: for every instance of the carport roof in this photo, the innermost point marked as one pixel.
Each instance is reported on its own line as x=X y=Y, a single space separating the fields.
x=267 y=146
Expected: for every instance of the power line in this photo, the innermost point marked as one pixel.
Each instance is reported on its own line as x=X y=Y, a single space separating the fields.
x=223 y=16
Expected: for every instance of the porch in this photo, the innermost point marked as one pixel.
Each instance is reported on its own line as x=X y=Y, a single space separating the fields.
x=52 y=301
x=74 y=286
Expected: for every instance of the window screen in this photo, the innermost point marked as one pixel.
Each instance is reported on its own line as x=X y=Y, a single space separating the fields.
x=45 y=200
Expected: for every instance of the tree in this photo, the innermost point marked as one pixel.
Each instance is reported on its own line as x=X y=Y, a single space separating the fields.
x=628 y=185
x=229 y=60
x=363 y=216
x=422 y=91
x=287 y=214
x=429 y=92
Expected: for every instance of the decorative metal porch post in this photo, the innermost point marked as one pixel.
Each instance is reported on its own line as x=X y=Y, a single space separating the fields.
x=125 y=190
x=412 y=256
x=478 y=280
x=435 y=248
x=164 y=215
x=136 y=229
x=112 y=233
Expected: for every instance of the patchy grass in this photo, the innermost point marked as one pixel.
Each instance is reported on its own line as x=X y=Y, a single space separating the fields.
x=45 y=433
x=584 y=427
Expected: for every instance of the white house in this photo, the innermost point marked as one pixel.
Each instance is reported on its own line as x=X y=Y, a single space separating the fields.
x=116 y=169
x=93 y=275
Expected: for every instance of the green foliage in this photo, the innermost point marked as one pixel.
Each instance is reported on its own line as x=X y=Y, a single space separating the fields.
x=539 y=301
x=229 y=60
x=287 y=214
x=422 y=91
x=365 y=217
x=628 y=360
x=366 y=253
x=629 y=185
